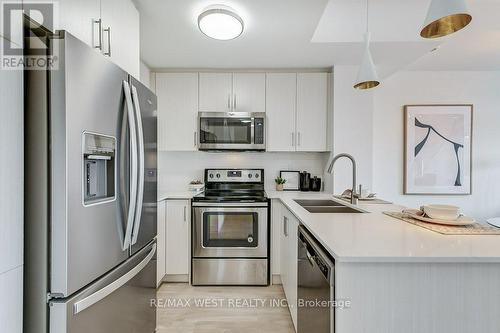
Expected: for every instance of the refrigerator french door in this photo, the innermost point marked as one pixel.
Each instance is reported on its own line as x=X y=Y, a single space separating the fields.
x=90 y=195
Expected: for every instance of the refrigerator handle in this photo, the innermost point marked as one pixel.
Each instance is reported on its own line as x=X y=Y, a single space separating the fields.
x=133 y=166
x=140 y=190
x=113 y=286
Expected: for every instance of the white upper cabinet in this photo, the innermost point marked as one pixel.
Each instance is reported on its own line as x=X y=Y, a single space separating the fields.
x=281 y=92
x=249 y=92
x=120 y=34
x=228 y=92
x=109 y=26
x=312 y=110
x=81 y=19
x=216 y=92
x=297 y=111
x=177 y=111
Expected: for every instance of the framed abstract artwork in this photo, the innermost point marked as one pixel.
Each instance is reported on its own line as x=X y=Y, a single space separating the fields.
x=438 y=149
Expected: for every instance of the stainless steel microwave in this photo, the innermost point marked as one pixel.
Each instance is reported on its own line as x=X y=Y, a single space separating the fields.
x=232 y=131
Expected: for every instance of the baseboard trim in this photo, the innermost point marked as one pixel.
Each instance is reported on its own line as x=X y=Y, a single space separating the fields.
x=276 y=279
x=176 y=278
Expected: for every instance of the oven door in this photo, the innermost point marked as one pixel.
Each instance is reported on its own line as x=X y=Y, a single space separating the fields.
x=231 y=131
x=230 y=232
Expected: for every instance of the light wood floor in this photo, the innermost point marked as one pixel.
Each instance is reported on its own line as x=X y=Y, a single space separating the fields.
x=233 y=312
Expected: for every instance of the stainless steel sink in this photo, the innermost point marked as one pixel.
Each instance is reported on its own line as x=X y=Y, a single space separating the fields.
x=322 y=203
x=326 y=207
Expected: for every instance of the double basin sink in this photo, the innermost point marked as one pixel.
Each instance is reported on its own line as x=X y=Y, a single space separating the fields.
x=325 y=206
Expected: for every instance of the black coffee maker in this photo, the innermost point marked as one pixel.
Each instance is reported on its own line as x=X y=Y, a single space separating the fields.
x=305 y=181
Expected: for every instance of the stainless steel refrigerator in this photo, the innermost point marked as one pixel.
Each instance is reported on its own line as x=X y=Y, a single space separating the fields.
x=90 y=195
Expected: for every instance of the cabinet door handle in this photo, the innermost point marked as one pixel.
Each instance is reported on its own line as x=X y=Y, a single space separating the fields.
x=229 y=101
x=185 y=214
x=285 y=226
x=298 y=139
x=108 y=31
x=99 y=33
x=293 y=139
x=234 y=102
x=195 y=138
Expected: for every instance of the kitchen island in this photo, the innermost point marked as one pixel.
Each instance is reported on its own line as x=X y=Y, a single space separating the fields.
x=398 y=277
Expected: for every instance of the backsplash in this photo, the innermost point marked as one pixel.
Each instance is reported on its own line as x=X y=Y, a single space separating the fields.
x=177 y=169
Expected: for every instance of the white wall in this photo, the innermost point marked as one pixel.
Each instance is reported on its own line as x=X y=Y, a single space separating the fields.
x=352 y=129
x=11 y=201
x=479 y=88
x=177 y=169
x=145 y=74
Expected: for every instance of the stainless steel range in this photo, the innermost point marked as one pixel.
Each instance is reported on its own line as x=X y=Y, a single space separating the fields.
x=230 y=240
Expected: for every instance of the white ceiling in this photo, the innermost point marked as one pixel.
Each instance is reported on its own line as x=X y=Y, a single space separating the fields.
x=316 y=33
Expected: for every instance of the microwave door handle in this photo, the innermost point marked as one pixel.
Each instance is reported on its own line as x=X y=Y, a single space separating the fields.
x=252 y=131
x=140 y=172
x=133 y=166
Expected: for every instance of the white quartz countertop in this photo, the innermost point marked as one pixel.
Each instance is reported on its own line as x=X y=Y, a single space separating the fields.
x=175 y=195
x=375 y=237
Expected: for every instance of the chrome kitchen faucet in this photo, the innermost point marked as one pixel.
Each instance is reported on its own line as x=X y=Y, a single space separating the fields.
x=354 y=195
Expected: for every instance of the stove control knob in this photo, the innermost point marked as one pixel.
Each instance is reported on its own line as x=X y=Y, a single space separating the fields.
x=249 y=175
x=211 y=175
x=256 y=175
x=217 y=175
x=250 y=239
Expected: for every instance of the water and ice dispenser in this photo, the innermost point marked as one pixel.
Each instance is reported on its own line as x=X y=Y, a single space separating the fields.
x=99 y=168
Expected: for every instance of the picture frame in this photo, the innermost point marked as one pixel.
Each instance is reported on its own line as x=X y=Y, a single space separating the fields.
x=292 y=180
x=438 y=149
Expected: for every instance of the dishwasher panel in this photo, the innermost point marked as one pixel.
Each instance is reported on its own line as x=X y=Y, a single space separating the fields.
x=315 y=292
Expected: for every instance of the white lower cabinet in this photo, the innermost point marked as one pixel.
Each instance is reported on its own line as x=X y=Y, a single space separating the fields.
x=288 y=260
x=177 y=231
x=160 y=241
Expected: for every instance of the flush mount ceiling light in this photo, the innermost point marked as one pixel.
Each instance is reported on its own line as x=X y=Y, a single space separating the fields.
x=220 y=22
x=367 y=75
x=445 y=17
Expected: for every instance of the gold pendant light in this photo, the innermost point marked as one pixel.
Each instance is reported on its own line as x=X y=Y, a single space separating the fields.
x=367 y=74
x=445 y=17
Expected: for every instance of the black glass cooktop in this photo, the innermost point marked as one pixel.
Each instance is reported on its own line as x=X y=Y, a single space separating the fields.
x=231 y=196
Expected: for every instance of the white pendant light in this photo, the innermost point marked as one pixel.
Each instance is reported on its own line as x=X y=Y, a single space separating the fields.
x=367 y=74
x=220 y=22
x=445 y=17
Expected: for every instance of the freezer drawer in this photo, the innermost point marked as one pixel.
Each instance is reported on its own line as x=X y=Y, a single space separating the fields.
x=120 y=302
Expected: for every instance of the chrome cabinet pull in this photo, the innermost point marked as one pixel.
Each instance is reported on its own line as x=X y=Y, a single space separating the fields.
x=195 y=138
x=108 y=31
x=234 y=102
x=285 y=226
x=293 y=139
x=229 y=101
x=298 y=138
x=99 y=25
x=185 y=216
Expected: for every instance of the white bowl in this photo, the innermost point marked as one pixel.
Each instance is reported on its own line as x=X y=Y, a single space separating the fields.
x=442 y=212
x=196 y=187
